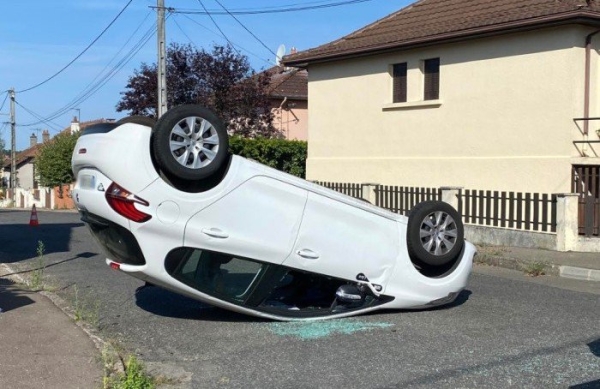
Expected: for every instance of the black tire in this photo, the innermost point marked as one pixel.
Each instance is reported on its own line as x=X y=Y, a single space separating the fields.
x=137 y=119
x=443 y=233
x=197 y=158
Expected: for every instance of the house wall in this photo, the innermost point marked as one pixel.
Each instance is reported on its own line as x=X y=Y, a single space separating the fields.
x=25 y=176
x=291 y=119
x=504 y=119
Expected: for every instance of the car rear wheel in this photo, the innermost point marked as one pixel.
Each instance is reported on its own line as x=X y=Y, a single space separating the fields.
x=435 y=234
x=190 y=143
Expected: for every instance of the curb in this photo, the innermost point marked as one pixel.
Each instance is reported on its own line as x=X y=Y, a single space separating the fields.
x=579 y=273
x=538 y=267
x=542 y=268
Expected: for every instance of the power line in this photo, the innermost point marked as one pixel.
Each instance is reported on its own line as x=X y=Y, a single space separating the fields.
x=80 y=54
x=245 y=28
x=272 y=10
x=53 y=126
x=4 y=101
x=218 y=28
x=92 y=88
x=217 y=34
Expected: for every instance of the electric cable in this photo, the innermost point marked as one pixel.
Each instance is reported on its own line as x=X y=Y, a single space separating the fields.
x=219 y=28
x=91 y=90
x=245 y=28
x=4 y=101
x=272 y=10
x=80 y=54
x=55 y=127
x=215 y=33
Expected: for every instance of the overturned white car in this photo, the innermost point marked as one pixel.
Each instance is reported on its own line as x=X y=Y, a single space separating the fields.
x=171 y=206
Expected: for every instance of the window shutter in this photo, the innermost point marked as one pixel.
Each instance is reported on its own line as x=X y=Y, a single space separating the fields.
x=432 y=79
x=399 y=83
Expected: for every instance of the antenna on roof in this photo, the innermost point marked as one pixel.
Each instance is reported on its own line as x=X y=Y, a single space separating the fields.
x=280 y=54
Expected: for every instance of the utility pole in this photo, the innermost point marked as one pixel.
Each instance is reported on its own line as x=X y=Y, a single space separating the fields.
x=13 y=146
x=162 y=59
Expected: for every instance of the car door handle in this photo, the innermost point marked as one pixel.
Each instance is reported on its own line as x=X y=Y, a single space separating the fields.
x=215 y=233
x=306 y=253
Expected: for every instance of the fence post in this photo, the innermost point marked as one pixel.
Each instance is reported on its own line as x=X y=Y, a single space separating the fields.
x=567 y=222
x=450 y=195
x=368 y=192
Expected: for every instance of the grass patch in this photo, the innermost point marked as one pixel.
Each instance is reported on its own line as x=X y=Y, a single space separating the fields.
x=134 y=376
x=84 y=309
x=535 y=269
x=127 y=372
x=36 y=279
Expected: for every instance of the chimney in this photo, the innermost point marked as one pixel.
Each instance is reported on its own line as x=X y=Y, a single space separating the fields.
x=45 y=136
x=32 y=140
x=74 y=125
x=293 y=50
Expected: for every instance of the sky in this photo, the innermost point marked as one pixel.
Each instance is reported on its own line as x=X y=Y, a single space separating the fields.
x=44 y=52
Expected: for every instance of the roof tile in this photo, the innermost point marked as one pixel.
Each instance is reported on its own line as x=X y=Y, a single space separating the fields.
x=428 y=20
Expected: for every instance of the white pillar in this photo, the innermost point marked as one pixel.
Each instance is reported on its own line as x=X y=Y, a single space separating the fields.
x=368 y=192
x=450 y=195
x=567 y=225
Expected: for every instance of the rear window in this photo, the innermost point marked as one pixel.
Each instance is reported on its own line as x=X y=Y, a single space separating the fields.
x=214 y=273
x=100 y=128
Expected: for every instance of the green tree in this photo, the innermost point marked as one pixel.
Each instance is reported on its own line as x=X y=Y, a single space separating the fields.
x=221 y=80
x=53 y=160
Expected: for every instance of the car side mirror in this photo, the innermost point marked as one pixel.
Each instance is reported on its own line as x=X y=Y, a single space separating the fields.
x=349 y=294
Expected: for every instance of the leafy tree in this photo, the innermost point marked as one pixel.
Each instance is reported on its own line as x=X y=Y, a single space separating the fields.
x=221 y=80
x=53 y=160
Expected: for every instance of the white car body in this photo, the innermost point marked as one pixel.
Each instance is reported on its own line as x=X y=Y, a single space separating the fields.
x=258 y=213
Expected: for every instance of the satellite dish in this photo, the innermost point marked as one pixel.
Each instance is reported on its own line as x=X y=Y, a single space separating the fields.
x=280 y=54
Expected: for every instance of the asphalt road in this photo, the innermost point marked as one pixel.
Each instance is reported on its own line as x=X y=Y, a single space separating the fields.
x=506 y=330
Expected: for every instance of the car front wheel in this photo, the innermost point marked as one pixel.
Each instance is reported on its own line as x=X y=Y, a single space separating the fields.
x=190 y=143
x=435 y=234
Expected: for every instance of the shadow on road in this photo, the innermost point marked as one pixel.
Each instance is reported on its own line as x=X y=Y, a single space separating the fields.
x=12 y=298
x=165 y=303
x=19 y=242
x=595 y=348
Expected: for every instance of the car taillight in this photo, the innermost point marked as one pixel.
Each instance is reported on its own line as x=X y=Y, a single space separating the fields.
x=122 y=201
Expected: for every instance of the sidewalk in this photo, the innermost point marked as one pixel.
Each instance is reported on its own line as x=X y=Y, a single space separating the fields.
x=40 y=346
x=575 y=265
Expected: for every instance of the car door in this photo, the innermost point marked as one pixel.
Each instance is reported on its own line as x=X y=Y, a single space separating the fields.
x=342 y=240
x=259 y=219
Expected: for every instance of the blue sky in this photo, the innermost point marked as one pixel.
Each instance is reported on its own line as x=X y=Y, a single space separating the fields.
x=40 y=37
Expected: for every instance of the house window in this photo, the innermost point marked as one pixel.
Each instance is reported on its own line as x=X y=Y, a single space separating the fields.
x=431 y=68
x=399 y=88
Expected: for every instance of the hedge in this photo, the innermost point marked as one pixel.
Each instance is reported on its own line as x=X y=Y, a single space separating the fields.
x=286 y=155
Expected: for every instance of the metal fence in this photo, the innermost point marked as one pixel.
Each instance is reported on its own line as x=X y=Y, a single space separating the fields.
x=515 y=210
x=521 y=211
x=401 y=199
x=349 y=189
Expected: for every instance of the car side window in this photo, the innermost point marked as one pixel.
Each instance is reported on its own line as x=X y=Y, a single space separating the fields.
x=214 y=273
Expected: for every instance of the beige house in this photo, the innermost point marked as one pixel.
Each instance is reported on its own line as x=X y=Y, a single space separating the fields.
x=472 y=93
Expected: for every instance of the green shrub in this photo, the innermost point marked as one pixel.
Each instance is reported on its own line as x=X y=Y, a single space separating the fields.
x=286 y=155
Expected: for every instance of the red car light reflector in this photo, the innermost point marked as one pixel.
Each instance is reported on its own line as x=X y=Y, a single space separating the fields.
x=123 y=202
x=115 y=266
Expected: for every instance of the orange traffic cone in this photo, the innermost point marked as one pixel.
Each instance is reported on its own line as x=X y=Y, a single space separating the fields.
x=33 y=220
